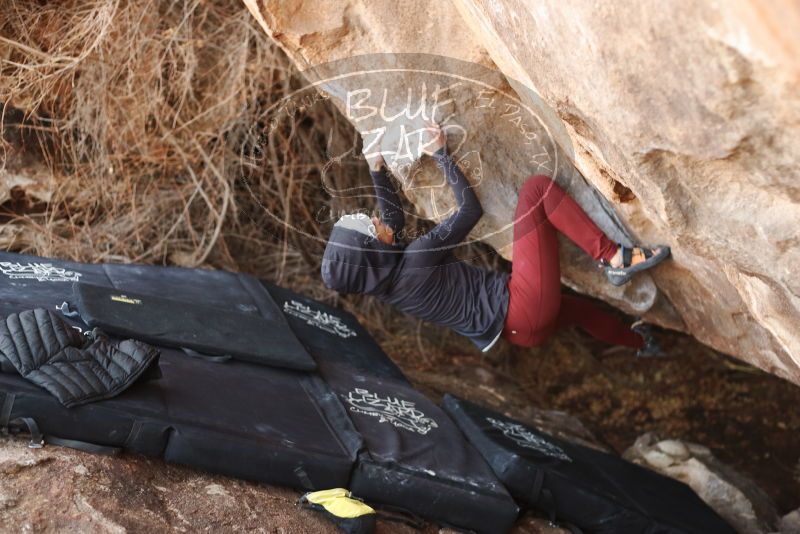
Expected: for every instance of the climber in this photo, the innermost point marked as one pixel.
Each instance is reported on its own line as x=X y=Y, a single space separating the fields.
x=424 y=279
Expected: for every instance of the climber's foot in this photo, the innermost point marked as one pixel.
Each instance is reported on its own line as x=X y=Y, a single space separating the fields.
x=628 y=261
x=638 y=255
x=651 y=348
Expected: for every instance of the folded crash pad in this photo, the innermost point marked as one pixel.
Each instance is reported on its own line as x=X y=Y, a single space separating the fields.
x=332 y=334
x=593 y=490
x=182 y=324
x=238 y=419
x=411 y=455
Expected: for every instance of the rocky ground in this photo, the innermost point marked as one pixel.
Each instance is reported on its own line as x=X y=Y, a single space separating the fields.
x=65 y=491
x=746 y=417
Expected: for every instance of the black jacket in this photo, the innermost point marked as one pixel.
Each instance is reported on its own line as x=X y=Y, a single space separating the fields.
x=39 y=345
x=423 y=278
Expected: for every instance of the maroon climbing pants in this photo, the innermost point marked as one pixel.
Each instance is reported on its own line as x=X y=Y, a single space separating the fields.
x=536 y=307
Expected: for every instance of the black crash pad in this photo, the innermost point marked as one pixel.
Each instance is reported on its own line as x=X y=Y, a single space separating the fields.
x=414 y=457
x=333 y=335
x=354 y=423
x=181 y=324
x=595 y=491
x=410 y=454
x=244 y=420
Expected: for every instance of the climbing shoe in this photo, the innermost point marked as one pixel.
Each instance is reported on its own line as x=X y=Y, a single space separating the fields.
x=651 y=348
x=621 y=275
x=342 y=509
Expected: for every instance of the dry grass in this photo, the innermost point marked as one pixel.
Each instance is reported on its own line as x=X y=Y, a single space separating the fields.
x=140 y=108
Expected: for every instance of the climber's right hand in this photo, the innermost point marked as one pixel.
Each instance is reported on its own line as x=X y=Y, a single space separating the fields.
x=432 y=139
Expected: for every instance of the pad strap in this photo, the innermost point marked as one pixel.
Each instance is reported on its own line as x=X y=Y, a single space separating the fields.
x=84 y=446
x=395 y=514
x=541 y=496
x=536 y=489
x=207 y=357
x=38 y=439
x=5 y=411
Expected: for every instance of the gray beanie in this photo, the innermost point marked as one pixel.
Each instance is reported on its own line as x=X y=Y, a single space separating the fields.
x=359 y=222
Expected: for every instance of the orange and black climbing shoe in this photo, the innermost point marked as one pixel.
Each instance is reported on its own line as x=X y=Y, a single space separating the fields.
x=621 y=275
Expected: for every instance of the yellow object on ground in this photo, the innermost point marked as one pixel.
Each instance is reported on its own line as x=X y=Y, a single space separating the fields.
x=339 y=502
x=340 y=507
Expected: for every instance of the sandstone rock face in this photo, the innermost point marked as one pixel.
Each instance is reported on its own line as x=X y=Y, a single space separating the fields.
x=674 y=124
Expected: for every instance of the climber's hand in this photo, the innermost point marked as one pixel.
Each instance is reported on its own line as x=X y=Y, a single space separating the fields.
x=383 y=231
x=372 y=149
x=432 y=138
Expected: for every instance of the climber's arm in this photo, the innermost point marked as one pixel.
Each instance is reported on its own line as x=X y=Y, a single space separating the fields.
x=389 y=206
x=431 y=248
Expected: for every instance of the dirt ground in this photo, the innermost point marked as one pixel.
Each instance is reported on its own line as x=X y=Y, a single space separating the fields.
x=748 y=418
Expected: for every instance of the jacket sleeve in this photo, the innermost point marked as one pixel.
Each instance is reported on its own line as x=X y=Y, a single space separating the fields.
x=433 y=247
x=389 y=205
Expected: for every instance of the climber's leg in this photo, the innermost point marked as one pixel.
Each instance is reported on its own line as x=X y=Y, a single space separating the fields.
x=600 y=324
x=535 y=283
x=546 y=200
x=620 y=263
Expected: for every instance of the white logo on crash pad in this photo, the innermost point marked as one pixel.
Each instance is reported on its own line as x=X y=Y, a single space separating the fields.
x=527 y=439
x=401 y=413
x=323 y=321
x=43 y=272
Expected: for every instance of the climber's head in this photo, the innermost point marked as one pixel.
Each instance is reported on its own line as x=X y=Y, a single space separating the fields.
x=360 y=256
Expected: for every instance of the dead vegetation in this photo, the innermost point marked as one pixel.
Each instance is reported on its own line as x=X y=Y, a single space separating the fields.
x=138 y=108
x=134 y=132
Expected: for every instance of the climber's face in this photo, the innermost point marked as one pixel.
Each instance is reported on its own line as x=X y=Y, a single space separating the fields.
x=384 y=234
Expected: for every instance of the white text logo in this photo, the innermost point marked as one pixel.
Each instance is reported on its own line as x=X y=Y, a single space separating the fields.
x=525 y=438
x=400 y=413
x=43 y=272
x=324 y=321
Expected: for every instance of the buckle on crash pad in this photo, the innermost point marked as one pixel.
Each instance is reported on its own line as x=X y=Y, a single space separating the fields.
x=37 y=438
x=67 y=311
